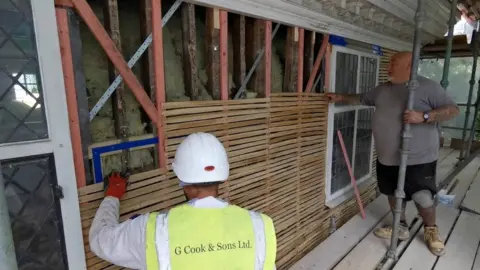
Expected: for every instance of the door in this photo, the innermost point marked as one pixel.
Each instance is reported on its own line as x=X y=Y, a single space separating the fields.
x=35 y=148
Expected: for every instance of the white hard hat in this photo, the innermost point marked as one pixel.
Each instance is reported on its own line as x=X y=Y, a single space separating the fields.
x=201 y=158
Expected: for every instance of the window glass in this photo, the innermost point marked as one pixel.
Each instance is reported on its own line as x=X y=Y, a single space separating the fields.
x=355 y=73
x=35 y=214
x=22 y=112
x=363 y=146
x=345 y=122
x=346 y=74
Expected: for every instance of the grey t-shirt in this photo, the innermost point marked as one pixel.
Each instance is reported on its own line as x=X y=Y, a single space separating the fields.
x=390 y=101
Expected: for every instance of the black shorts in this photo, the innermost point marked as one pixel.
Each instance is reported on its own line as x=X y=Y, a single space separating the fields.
x=417 y=177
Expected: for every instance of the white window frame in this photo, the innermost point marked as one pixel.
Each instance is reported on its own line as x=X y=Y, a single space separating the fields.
x=58 y=142
x=333 y=200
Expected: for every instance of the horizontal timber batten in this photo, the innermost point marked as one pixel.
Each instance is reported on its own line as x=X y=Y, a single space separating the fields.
x=276 y=147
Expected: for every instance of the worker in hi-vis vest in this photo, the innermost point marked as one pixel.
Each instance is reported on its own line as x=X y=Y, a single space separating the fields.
x=204 y=233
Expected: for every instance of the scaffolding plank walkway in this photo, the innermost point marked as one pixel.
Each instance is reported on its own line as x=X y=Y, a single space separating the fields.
x=370 y=251
x=416 y=256
x=344 y=239
x=471 y=202
x=462 y=244
x=360 y=249
x=476 y=264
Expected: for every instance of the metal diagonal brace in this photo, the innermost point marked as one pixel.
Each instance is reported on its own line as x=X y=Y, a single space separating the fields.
x=132 y=62
x=94 y=24
x=254 y=66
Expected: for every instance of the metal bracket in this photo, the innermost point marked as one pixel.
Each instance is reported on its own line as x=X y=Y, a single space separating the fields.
x=392 y=255
x=333 y=224
x=131 y=62
x=58 y=192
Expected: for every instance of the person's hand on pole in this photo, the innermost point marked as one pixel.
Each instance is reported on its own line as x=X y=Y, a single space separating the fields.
x=115 y=185
x=413 y=117
x=334 y=97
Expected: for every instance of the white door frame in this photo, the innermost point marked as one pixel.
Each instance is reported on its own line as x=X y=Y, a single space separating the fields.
x=58 y=142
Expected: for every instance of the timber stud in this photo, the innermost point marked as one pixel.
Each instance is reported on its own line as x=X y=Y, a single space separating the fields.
x=64 y=3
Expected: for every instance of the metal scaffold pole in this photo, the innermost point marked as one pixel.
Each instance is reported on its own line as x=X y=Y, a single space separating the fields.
x=448 y=53
x=470 y=93
x=412 y=86
x=8 y=261
x=474 y=121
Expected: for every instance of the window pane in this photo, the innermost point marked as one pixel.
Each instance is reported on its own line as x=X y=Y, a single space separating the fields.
x=368 y=74
x=346 y=74
x=35 y=214
x=363 y=147
x=22 y=114
x=345 y=122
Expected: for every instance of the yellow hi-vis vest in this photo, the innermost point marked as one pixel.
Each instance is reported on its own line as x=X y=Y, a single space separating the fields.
x=211 y=238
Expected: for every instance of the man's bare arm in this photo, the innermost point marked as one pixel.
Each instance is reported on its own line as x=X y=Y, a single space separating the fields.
x=443 y=113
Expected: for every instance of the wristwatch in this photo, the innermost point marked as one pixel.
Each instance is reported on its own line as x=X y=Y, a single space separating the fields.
x=425 y=117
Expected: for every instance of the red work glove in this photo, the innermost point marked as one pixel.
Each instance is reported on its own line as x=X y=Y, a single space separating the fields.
x=116 y=185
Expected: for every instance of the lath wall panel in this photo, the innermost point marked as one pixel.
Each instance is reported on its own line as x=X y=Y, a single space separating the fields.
x=276 y=149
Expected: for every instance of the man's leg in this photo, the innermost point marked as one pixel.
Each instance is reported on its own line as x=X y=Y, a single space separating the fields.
x=403 y=219
x=431 y=233
x=424 y=187
x=386 y=230
x=426 y=206
x=387 y=177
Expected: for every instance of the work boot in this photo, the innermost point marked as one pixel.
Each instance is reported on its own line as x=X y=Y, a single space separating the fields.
x=386 y=232
x=433 y=241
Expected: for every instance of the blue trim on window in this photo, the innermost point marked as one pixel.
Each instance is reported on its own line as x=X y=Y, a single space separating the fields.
x=337 y=40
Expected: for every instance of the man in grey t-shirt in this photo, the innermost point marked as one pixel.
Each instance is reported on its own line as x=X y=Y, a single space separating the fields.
x=431 y=106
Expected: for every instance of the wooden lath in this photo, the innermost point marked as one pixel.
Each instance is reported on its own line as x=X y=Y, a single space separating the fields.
x=276 y=150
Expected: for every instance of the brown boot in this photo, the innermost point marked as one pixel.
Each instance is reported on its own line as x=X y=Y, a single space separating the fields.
x=433 y=241
x=386 y=232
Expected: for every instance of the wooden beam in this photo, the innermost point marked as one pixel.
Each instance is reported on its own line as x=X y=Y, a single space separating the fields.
x=328 y=65
x=190 y=50
x=255 y=34
x=91 y=20
x=212 y=45
x=158 y=67
x=291 y=60
x=224 y=89
x=81 y=89
x=442 y=48
x=268 y=58
x=309 y=53
x=69 y=80
x=301 y=45
x=316 y=65
x=148 y=76
x=238 y=38
x=63 y=3
x=112 y=24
